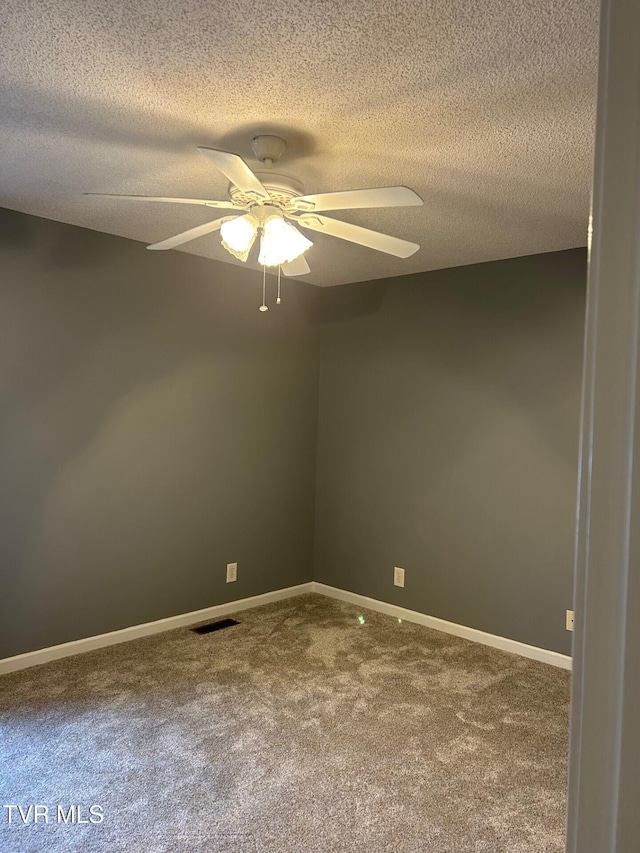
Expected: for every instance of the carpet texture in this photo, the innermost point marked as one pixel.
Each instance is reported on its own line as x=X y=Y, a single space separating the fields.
x=311 y=726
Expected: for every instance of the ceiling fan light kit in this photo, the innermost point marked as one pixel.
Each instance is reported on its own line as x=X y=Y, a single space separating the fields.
x=266 y=200
x=281 y=243
x=238 y=235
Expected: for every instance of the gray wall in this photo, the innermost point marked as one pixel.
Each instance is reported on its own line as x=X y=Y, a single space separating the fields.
x=448 y=442
x=154 y=425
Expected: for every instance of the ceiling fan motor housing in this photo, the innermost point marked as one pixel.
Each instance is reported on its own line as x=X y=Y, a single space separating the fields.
x=281 y=189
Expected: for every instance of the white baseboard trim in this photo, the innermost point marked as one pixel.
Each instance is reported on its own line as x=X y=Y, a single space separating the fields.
x=135 y=631
x=503 y=643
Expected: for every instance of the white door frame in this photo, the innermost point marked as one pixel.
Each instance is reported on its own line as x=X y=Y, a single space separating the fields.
x=604 y=771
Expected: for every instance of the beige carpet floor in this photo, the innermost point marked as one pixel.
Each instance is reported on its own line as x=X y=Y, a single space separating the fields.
x=311 y=726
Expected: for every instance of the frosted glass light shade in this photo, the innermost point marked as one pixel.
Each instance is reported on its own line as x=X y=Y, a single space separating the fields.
x=238 y=235
x=281 y=243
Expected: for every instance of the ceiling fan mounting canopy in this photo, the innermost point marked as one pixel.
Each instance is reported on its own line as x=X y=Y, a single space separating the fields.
x=268 y=149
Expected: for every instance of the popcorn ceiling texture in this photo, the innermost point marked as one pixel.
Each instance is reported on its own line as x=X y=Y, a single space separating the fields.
x=485 y=109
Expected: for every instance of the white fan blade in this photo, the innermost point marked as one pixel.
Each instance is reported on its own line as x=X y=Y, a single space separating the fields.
x=352 y=199
x=237 y=171
x=191 y=234
x=225 y=205
x=296 y=268
x=357 y=234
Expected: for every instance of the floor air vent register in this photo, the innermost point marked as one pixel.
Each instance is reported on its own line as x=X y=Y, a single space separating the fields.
x=215 y=626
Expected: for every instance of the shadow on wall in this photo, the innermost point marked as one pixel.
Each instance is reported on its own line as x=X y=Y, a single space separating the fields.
x=355 y=300
x=16 y=232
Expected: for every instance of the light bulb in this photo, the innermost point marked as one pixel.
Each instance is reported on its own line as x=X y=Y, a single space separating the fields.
x=238 y=235
x=281 y=243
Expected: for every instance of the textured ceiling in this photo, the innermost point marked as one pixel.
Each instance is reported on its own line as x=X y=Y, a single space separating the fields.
x=485 y=108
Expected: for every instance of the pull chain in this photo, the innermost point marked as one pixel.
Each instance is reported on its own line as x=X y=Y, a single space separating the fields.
x=264 y=306
x=278 y=300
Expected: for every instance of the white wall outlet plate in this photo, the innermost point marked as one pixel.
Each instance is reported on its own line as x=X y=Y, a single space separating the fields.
x=569 y=622
x=232 y=572
x=398 y=576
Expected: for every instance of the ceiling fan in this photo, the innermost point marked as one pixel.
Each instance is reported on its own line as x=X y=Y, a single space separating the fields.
x=271 y=203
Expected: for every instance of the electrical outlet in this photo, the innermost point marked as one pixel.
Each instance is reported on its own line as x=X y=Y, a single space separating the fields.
x=569 y=622
x=232 y=572
x=398 y=576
